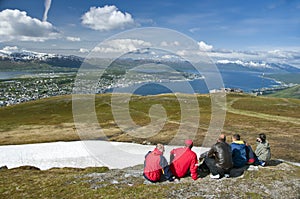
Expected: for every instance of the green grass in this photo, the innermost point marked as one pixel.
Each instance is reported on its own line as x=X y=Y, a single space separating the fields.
x=80 y=183
x=50 y=111
x=51 y=119
x=68 y=183
x=55 y=183
x=293 y=92
x=272 y=106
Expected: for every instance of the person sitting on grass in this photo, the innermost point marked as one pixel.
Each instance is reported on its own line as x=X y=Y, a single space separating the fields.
x=218 y=159
x=263 y=150
x=183 y=161
x=238 y=149
x=156 y=167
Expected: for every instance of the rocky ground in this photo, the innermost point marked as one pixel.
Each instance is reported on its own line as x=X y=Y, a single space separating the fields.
x=277 y=180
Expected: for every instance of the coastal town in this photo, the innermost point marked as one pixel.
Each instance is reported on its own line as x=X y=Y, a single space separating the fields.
x=16 y=91
x=19 y=90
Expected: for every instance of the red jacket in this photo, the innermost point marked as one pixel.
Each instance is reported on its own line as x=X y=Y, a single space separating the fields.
x=183 y=159
x=154 y=165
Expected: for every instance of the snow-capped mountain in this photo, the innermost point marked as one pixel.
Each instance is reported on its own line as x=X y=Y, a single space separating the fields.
x=69 y=61
x=140 y=57
x=24 y=55
x=260 y=66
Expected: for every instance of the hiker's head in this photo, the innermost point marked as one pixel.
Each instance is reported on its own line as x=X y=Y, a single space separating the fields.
x=189 y=143
x=236 y=137
x=160 y=147
x=222 y=138
x=262 y=137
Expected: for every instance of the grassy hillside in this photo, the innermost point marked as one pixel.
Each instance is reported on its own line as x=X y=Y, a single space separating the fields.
x=51 y=119
x=33 y=66
x=293 y=92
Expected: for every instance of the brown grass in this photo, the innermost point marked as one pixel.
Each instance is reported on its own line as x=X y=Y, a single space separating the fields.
x=51 y=119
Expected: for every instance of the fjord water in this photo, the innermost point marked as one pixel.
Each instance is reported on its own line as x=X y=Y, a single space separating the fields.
x=244 y=80
x=12 y=74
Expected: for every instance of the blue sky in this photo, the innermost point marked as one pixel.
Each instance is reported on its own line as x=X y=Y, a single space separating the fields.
x=70 y=25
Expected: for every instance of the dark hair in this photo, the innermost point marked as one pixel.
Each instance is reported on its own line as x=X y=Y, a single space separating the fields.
x=262 y=136
x=222 y=138
x=237 y=136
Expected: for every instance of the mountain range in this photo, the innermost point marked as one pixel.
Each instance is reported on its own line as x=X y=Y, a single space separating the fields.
x=24 y=57
x=256 y=66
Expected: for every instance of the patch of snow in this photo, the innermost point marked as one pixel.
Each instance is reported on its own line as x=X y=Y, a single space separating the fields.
x=79 y=154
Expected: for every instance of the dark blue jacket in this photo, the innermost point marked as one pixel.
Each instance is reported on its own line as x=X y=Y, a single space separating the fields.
x=239 y=157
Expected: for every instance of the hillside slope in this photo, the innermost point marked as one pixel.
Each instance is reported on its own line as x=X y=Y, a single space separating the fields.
x=51 y=119
x=293 y=92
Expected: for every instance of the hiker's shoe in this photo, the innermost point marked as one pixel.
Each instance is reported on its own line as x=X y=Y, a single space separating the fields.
x=214 y=176
x=226 y=175
x=262 y=163
x=176 y=180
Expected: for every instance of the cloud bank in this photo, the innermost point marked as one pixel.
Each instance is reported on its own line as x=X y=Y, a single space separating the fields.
x=106 y=18
x=122 y=46
x=245 y=63
x=17 y=25
x=256 y=58
x=204 y=47
x=84 y=50
x=73 y=39
x=10 y=48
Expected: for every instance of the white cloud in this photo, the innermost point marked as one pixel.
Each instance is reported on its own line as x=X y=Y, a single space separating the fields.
x=167 y=57
x=183 y=52
x=204 y=47
x=47 y=7
x=291 y=57
x=73 y=38
x=10 y=48
x=247 y=58
x=233 y=55
x=106 y=18
x=171 y=57
x=16 y=25
x=168 y=44
x=283 y=54
x=193 y=30
x=245 y=63
x=83 y=50
x=122 y=46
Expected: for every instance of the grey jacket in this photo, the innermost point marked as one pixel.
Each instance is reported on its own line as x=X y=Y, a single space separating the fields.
x=263 y=151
